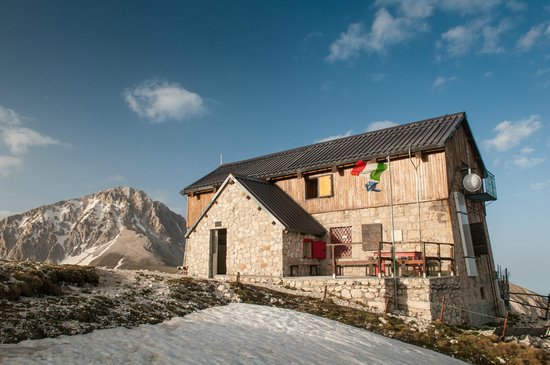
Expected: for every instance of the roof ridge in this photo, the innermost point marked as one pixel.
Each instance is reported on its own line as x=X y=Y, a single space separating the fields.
x=427 y=134
x=444 y=118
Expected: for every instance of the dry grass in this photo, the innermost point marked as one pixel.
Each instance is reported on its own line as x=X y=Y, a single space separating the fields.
x=29 y=279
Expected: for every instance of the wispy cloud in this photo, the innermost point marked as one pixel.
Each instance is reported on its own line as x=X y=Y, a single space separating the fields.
x=159 y=101
x=509 y=134
x=427 y=7
x=378 y=77
x=491 y=37
x=488 y=74
x=524 y=162
x=523 y=159
x=467 y=6
x=115 y=178
x=385 y=31
x=440 y=81
x=481 y=35
x=540 y=185
x=516 y=6
x=8 y=164
x=9 y=118
x=527 y=150
x=397 y=21
x=18 y=140
x=529 y=39
x=330 y=138
x=458 y=41
x=313 y=35
x=381 y=124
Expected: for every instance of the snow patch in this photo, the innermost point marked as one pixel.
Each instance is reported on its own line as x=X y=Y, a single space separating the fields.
x=232 y=334
x=119 y=264
x=88 y=255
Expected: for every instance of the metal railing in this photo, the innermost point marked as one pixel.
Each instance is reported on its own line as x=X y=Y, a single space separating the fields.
x=420 y=255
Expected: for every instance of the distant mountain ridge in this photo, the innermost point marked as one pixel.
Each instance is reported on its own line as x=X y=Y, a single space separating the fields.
x=115 y=228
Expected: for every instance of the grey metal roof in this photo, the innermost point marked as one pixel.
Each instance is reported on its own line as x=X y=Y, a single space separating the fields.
x=418 y=136
x=282 y=206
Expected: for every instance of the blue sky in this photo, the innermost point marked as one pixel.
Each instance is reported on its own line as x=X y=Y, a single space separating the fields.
x=148 y=94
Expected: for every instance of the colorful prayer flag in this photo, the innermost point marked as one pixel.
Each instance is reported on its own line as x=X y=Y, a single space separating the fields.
x=372 y=170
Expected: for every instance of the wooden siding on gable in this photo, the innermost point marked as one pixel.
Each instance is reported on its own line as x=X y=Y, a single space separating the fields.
x=350 y=191
x=460 y=154
x=195 y=205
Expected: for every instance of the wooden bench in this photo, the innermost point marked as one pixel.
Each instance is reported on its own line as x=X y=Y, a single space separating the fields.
x=370 y=266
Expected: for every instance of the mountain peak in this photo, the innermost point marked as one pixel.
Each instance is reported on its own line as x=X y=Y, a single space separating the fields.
x=117 y=227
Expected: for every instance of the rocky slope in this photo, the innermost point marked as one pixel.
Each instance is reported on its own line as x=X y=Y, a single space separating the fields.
x=115 y=228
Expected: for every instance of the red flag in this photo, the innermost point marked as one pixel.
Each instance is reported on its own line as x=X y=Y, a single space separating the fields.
x=359 y=166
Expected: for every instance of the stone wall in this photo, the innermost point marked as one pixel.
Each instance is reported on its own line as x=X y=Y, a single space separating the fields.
x=293 y=249
x=435 y=225
x=254 y=239
x=416 y=296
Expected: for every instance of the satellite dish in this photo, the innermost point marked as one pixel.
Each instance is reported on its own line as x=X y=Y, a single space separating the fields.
x=471 y=182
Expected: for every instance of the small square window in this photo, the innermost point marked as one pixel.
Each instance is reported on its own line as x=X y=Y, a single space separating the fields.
x=319 y=187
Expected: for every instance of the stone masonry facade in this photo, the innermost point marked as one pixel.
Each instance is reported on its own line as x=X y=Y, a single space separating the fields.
x=259 y=248
x=257 y=245
x=254 y=240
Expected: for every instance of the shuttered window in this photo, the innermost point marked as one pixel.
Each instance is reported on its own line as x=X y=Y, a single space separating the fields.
x=319 y=187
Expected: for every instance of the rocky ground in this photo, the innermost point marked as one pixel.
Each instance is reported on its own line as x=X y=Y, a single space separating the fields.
x=40 y=300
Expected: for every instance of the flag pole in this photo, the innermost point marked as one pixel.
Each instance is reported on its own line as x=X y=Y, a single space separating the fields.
x=394 y=273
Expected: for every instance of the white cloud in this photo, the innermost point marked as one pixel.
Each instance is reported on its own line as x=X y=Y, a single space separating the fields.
x=528 y=40
x=524 y=162
x=386 y=30
x=9 y=117
x=516 y=6
x=488 y=74
x=160 y=101
x=8 y=164
x=510 y=134
x=5 y=213
x=330 y=138
x=440 y=81
x=115 y=178
x=349 y=44
x=312 y=35
x=381 y=124
x=542 y=72
x=19 y=140
x=527 y=150
x=458 y=40
x=461 y=39
x=541 y=185
x=425 y=8
x=491 y=37
x=417 y=9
